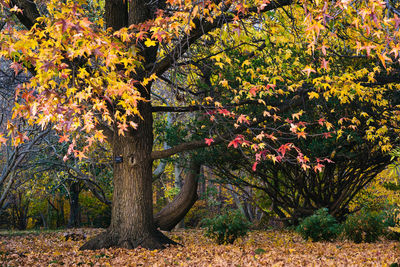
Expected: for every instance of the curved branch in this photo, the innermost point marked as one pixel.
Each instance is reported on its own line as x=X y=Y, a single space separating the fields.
x=176 y=210
x=200 y=107
x=182 y=147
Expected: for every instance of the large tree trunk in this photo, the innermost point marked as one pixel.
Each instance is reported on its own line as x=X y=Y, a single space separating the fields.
x=132 y=221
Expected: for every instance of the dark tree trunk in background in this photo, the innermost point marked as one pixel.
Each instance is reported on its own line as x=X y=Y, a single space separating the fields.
x=60 y=211
x=74 y=206
x=19 y=213
x=43 y=220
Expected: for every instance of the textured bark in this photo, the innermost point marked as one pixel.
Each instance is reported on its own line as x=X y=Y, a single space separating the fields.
x=74 y=207
x=132 y=221
x=116 y=14
x=175 y=211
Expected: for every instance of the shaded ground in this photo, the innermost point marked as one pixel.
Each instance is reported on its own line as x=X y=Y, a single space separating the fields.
x=260 y=248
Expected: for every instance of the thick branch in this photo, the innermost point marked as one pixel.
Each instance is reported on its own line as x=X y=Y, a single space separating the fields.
x=183 y=147
x=29 y=12
x=176 y=210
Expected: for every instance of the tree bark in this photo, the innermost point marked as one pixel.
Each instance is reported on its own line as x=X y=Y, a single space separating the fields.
x=74 y=207
x=116 y=14
x=132 y=222
x=29 y=12
x=176 y=210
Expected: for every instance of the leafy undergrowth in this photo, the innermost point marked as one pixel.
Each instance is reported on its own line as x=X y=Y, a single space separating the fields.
x=259 y=248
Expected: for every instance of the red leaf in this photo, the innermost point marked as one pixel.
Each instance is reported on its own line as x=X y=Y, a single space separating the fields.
x=209 y=141
x=16 y=67
x=318 y=167
x=64 y=138
x=253 y=90
x=254 y=166
x=237 y=141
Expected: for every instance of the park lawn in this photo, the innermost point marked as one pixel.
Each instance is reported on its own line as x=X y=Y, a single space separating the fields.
x=259 y=248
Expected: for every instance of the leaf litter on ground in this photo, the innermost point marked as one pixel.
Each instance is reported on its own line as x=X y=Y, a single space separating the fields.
x=259 y=248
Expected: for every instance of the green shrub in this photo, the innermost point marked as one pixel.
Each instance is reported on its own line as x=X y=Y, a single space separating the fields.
x=392 y=222
x=365 y=226
x=319 y=226
x=226 y=228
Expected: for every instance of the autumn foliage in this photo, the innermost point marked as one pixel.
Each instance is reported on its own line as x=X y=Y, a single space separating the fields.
x=299 y=99
x=258 y=249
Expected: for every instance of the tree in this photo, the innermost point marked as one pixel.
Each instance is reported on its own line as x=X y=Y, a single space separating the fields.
x=19 y=150
x=95 y=84
x=295 y=191
x=360 y=130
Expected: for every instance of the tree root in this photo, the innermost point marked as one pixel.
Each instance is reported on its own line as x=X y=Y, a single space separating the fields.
x=108 y=239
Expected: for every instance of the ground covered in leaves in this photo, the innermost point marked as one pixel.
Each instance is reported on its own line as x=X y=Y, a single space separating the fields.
x=259 y=248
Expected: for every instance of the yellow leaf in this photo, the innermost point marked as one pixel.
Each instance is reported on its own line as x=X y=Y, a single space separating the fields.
x=313 y=95
x=149 y=42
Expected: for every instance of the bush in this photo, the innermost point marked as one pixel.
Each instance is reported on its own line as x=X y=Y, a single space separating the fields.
x=319 y=226
x=392 y=222
x=366 y=226
x=226 y=228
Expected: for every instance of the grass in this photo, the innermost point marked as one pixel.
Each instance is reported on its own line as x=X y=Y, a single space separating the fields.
x=11 y=233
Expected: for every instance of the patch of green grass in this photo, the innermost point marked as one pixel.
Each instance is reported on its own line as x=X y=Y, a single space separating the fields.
x=11 y=233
